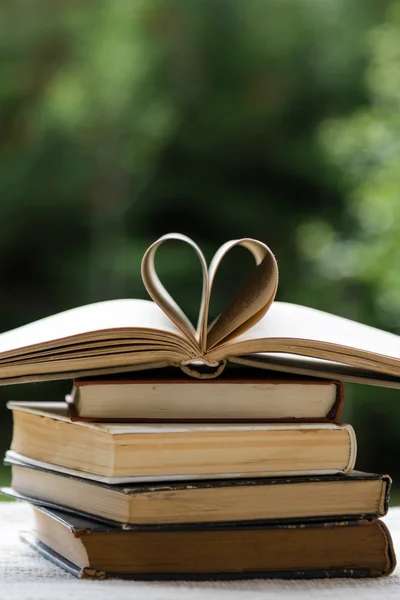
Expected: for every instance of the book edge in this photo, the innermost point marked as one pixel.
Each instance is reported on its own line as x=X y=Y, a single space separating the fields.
x=332 y=415
x=12 y=458
x=192 y=525
x=87 y=573
x=39 y=408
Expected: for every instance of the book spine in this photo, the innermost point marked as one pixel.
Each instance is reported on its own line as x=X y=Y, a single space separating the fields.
x=336 y=410
x=205 y=371
x=386 y=487
x=352 y=449
x=390 y=553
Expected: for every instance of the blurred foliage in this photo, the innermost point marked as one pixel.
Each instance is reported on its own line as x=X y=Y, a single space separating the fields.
x=363 y=254
x=122 y=121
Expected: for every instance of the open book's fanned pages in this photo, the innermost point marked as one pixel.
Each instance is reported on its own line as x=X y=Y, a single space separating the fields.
x=294 y=364
x=127 y=335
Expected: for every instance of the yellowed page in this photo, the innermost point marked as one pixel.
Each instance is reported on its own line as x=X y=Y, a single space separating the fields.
x=95 y=347
x=253 y=299
x=164 y=300
x=77 y=374
x=315 y=367
x=302 y=330
x=42 y=369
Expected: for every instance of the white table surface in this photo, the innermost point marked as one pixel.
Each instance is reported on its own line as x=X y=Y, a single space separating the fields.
x=24 y=575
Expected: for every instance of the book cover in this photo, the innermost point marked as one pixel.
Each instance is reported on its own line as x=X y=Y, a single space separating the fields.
x=45 y=433
x=154 y=492
x=329 y=497
x=305 y=550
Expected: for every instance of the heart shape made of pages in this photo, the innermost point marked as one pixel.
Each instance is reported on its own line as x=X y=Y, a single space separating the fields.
x=247 y=307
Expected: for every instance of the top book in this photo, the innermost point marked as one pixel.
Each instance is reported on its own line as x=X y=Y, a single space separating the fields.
x=255 y=330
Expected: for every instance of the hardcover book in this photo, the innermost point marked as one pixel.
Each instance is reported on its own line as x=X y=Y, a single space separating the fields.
x=45 y=432
x=242 y=395
x=335 y=549
x=328 y=497
x=127 y=334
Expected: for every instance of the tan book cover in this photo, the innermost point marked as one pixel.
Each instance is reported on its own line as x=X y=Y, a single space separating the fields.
x=156 y=451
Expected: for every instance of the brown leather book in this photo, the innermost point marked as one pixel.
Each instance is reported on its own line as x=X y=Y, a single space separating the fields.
x=88 y=549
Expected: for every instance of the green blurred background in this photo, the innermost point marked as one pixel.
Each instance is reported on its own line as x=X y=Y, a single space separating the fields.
x=276 y=119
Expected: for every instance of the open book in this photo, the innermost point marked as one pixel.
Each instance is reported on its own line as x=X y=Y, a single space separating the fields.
x=127 y=335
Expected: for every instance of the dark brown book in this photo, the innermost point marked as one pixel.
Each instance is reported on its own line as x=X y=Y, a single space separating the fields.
x=241 y=395
x=88 y=549
x=277 y=499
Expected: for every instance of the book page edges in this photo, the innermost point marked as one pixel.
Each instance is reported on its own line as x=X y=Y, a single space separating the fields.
x=156 y=490
x=60 y=411
x=296 y=329
x=332 y=414
x=91 y=321
x=29 y=538
x=76 y=374
x=358 y=359
x=165 y=478
x=300 y=365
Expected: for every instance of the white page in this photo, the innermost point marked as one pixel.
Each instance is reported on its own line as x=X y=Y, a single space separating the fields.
x=291 y=321
x=109 y=315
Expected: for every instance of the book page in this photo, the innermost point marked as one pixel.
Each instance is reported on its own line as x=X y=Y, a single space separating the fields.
x=299 y=329
x=89 y=321
x=249 y=305
x=165 y=301
x=315 y=367
x=252 y=300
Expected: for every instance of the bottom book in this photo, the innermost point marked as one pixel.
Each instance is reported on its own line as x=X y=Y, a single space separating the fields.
x=88 y=549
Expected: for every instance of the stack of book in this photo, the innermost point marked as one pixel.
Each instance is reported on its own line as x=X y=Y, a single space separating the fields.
x=242 y=476
x=213 y=472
